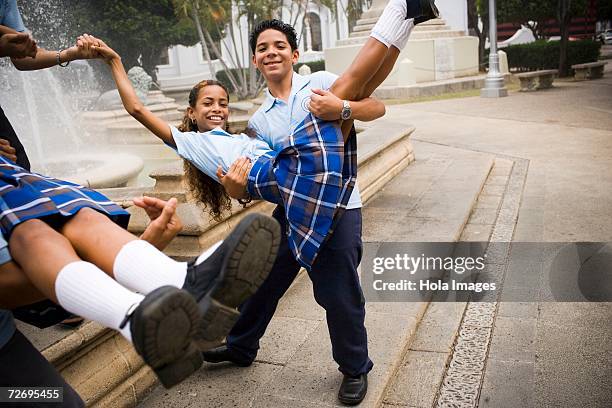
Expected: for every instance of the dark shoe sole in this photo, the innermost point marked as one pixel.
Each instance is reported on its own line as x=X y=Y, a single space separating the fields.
x=351 y=401
x=252 y=247
x=163 y=329
x=346 y=401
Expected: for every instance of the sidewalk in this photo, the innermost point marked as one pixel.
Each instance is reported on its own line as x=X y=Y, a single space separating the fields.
x=540 y=354
x=548 y=354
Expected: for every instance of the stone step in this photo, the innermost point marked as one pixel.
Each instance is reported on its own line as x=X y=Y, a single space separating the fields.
x=363 y=27
x=425 y=35
x=422 y=368
x=370 y=14
x=431 y=27
x=431 y=88
x=362 y=21
x=433 y=22
x=429 y=200
x=421 y=373
x=444 y=184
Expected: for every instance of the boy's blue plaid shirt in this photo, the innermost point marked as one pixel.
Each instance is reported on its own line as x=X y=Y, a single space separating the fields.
x=312 y=177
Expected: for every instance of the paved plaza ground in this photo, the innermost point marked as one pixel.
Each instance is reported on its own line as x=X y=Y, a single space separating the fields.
x=546 y=354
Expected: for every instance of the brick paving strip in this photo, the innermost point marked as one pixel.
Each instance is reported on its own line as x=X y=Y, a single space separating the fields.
x=464 y=376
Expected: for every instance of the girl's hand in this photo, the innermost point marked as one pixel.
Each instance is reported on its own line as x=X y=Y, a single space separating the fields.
x=165 y=223
x=235 y=180
x=81 y=50
x=105 y=52
x=88 y=47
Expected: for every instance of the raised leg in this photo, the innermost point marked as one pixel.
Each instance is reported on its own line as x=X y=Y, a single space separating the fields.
x=96 y=238
x=382 y=73
x=350 y=85
x=343 y=89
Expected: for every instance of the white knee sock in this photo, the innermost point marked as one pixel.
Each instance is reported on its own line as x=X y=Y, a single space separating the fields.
x=389 y=25
x=143 y=268
x=404 y=34
x=85 y=290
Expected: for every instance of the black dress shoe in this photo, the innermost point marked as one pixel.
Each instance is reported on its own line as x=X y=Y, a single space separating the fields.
x=222 y=354
x=414 y=9
x=353 y=389
x=163 y=326
x=429 y=11
x=231 y=274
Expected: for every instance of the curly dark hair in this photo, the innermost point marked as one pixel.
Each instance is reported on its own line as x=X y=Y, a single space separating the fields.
x=204 y=188
x=277 y=25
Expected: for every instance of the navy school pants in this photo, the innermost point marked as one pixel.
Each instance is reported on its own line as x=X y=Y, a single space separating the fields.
x=22 y=365
x=336 y=288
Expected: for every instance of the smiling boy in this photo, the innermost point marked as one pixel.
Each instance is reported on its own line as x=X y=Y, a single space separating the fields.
x=289 y=98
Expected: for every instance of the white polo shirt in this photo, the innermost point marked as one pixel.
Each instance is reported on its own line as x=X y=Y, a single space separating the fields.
x=276 y=119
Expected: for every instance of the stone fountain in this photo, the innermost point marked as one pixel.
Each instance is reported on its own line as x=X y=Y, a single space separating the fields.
x=43 y=111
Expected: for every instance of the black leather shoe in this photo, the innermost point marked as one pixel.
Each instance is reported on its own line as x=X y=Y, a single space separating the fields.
x=414 y=9
x=353 y=389
x=231 y=274
x=163 y=326
x=429 y=11
x=222 y=354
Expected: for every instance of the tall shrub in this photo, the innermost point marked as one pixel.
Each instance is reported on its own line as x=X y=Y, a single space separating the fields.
x=545 y=54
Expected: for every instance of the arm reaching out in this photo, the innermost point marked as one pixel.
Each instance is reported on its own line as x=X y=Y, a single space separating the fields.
x=130 y=100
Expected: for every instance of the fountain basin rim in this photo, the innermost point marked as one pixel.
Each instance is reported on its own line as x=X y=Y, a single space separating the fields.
x=115 y=170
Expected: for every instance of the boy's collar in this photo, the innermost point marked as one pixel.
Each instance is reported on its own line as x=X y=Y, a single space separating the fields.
x=298 y=82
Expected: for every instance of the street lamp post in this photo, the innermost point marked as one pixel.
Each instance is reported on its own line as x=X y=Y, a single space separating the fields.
x=494 y=84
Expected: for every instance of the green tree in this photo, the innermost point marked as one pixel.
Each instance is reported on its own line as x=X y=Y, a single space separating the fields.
x=565 y=10
x=533 y=13
x=530 y=13
x=478 y=10
x=213 y=20
x=604 y=10
x=139 y=30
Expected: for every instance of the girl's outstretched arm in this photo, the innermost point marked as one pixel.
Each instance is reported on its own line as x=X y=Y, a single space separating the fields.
x=130 y=100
